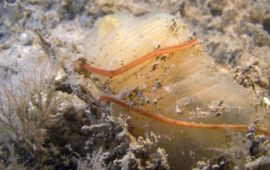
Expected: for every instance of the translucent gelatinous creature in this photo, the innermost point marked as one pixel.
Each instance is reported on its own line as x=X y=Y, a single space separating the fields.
x=154 y=67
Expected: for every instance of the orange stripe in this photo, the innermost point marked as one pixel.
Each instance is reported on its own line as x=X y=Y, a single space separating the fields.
x=178 y=122
x=112 y=73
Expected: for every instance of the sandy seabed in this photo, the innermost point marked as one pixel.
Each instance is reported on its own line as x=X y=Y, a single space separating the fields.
x=50 y=119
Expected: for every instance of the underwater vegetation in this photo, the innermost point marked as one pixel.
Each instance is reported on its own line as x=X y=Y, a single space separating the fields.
x=113 y=85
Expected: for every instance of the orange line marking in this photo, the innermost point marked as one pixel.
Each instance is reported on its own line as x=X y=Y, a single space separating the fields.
x=81 y=65
x=112 y=73
x=167 y=120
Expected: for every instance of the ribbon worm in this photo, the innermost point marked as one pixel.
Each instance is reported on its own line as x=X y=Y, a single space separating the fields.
x=81 y=65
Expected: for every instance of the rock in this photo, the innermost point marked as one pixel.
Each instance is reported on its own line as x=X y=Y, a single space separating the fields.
x=266 y=22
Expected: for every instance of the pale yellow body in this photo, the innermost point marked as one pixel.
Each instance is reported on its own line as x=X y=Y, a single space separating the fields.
x=184 y=85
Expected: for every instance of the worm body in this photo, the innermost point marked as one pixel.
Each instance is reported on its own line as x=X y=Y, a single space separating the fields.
x=152 y=65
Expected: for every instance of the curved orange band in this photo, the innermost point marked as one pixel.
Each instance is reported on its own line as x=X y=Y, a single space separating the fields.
x=178 y=122
x=112 y=73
